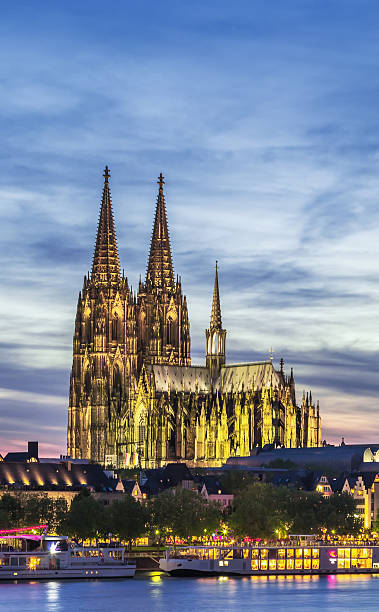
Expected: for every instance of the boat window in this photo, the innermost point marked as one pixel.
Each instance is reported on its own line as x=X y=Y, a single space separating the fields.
x=272 y=564
x=22 y=561
x=14 y=560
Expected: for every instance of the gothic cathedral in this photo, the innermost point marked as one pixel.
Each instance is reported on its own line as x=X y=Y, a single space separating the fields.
x=135 y=398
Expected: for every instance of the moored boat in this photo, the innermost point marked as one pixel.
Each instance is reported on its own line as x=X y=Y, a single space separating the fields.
x=39 y=557
x=270 y=560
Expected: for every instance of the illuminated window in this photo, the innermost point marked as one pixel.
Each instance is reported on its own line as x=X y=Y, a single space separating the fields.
x=263 y=565
x=299 y=553
x=281 y=564
x=254 y=564
x=272 y=564
x=289 y=553
x=290 y=564
x=281 y=553
x=315 y=564
x=264 y=553
x=307 y=553
x=315 y=553
x=307 y=564
x=254 y=553
x=298 y=564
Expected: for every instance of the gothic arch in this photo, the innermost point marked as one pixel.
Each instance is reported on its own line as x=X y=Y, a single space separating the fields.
x=140 y=425
x=117 y=379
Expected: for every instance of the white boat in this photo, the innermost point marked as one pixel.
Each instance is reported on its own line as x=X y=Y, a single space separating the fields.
x=40 y=557
x=270 y=560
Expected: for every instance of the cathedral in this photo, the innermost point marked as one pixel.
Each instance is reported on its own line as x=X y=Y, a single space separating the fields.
x=136 y=400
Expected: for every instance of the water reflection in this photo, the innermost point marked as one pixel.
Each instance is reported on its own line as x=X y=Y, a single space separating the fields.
x=156 y=592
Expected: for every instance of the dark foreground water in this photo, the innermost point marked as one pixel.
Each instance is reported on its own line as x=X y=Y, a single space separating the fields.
x=154 y=592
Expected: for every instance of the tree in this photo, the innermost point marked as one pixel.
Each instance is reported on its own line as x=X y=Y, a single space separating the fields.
x=11 y=510
x=339 y=514
x=182 y=513
x=127 y=518
x=261 y=511
x=86 y=518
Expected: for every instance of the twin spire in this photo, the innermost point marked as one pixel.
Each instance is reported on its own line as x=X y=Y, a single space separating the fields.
x=106 y=265
x=160 y=272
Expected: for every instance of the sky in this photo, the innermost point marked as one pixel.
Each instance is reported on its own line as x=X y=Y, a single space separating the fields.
x=263 y=117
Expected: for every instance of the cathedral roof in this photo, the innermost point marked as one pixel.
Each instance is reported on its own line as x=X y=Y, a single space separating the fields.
x=181 y=378
x=247 y=376
x=160 y=272
x=232 y=378
x=105 y=266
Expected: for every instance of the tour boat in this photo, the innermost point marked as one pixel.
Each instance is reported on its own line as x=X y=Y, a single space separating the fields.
x=270 y=560
x=38 y=557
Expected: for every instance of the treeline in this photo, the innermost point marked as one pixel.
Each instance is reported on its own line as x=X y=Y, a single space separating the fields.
x=259 y=511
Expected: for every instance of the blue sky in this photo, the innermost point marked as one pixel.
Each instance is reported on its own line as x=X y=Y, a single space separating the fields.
x=263 y=117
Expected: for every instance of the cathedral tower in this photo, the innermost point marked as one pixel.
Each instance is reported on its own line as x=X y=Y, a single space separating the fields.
x=104 y=347
x=163 y=326
x=215 y=335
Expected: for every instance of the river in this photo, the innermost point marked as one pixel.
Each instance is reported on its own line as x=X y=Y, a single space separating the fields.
x=154 y=592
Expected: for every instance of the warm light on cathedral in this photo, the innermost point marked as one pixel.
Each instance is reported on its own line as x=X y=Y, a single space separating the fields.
x=135 y=399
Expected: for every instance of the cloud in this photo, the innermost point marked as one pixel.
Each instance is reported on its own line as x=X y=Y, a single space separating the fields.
x=264 y=123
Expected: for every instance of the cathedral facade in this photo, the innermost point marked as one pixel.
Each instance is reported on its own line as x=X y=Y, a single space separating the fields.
x=135 y=398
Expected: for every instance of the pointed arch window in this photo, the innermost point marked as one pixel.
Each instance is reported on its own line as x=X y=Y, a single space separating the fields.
x=141 y=427
x=87 y=381
x=115 y=327
x=117 y=383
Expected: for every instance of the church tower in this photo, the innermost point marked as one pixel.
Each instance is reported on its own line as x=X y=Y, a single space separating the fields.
x=162 y=315
x=104 y=347
x=215 y=335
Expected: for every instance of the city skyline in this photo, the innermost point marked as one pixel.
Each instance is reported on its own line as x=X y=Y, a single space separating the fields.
x=264 y=128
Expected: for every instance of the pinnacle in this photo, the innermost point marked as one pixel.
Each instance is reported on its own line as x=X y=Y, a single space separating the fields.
x=216 y=307
x=105 y=266
x=160 y=272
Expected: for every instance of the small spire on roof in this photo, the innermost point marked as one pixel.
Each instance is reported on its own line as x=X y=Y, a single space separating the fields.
x=216 y=306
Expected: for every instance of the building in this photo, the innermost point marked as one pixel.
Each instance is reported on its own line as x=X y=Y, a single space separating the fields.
x=212 y=490
x=364 y=488
x=330 y=459
x=57 y=480
x=135 y=398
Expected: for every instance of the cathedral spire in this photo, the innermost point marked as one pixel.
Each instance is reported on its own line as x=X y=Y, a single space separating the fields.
x=160 y=272
x=215 y=335
x=216 y=307
x=105 y=266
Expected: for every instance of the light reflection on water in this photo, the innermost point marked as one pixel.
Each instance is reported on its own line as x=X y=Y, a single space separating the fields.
x=156 y=592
